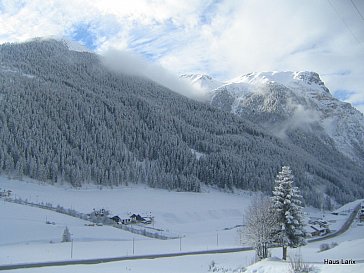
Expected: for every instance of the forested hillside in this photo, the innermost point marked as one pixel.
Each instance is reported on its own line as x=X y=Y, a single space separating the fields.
x=65 y=117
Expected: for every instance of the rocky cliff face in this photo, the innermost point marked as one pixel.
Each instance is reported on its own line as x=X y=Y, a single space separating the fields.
x=290 y=102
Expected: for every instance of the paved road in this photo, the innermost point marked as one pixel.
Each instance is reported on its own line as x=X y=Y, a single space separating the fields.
x=124 y=258
x=344 y=228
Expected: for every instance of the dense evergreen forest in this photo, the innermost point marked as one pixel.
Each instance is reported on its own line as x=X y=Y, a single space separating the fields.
x=66 y=117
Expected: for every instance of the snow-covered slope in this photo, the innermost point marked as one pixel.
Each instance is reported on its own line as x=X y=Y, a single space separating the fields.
x=202 y=81
x=198 y=217
x=80 y=106
x=204 y=220
x=286 y=101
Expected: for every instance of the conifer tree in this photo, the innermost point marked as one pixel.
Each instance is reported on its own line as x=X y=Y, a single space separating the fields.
x=287 y=203
x=66 y=237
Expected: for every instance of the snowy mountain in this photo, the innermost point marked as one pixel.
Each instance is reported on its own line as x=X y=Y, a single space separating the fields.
x=202 y=81
x=64 y=116
x=288 y=102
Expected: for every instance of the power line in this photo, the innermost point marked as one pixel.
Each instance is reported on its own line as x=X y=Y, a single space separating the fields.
x=346 y=25
x=360 y=14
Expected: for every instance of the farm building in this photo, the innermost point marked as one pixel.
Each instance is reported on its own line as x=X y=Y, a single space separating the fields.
x=318 y=231
x=116 y=219
x=361 y=213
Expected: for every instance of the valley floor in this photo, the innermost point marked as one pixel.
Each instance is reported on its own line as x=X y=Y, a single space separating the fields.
x=208 y=220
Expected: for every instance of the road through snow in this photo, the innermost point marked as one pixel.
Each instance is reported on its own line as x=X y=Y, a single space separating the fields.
x=344 y=228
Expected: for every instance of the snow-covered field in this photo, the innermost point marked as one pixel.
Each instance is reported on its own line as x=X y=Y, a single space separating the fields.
x=205 y=220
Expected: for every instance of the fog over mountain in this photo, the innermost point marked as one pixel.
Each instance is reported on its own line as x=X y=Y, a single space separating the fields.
x=66 y=116
x=131 y=64
x=290 y=105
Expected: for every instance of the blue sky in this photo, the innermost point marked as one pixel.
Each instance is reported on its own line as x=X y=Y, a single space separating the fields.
x=223 y=38
x=154 y=41
x=83 y=33
x=209 y=12
x=342 y=94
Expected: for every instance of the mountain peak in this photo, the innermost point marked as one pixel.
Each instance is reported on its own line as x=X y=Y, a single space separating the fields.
x=310 y=78
x=300 y=79
x=292 y=100
x=45 y=85
x=202 y=81
x=196 y=77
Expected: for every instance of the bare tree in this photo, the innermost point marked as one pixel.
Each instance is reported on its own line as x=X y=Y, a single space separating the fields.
x=260 y=225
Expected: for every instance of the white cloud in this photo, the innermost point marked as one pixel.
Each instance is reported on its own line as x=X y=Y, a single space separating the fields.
x=222 y=38
x=128 y=63
x=39 y=18
x=300 y=118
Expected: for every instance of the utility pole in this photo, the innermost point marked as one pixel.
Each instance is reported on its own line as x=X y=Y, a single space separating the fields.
x=217 y=239
x=133 y=246
x=71 y=248
x=180 y=243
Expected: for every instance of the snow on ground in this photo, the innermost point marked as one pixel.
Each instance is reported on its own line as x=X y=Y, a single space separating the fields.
x=180 y=211
x=206 y=220
x=272 y=266
x=335 y=221
x=348 y=207
x=25 y=236
x=349 y=246
x=233 y=262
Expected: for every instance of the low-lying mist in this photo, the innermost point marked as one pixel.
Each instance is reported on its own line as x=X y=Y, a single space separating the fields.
x=131 y=64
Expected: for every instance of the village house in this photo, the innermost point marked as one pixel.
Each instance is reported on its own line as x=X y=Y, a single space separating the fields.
x=134 y=218
x=361 y=213
x=318 y=231
x=318 y=227
x=5 y=193
x=116 y=219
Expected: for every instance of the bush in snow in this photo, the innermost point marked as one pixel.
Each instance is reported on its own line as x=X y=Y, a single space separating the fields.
x=324 y=247
x=333 y=244
x=214 y=268
x=297 y=265
x=212 y=265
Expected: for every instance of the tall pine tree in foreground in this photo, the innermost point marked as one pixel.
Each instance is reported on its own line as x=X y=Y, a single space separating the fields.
x=287 y=203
